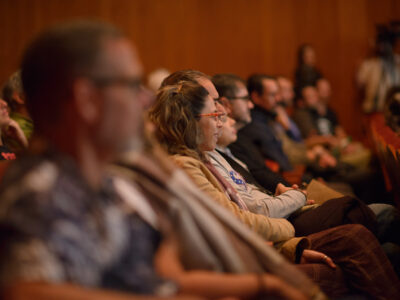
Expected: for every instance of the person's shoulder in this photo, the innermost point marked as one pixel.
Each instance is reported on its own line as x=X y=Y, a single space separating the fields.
x=181 y=160
x=25 y=168
x=26 y=182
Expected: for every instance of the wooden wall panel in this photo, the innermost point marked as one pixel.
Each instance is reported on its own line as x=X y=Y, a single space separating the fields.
x=221 y=35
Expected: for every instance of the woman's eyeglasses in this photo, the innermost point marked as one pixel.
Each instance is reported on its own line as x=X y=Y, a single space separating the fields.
x=218 y=116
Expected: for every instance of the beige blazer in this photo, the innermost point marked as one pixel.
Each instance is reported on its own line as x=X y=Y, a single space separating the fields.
x=279 y=231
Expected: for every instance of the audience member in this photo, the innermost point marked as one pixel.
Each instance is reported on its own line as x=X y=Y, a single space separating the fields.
x=62 y=219
x=286 y=91
x=376 y=75
x=306 y=71
x=187 y=136
x=14 y=96
x=9 y=131
x=313 y=118
x=350 y=151
x=260 y=131
x=5 y=152
x=392 y=109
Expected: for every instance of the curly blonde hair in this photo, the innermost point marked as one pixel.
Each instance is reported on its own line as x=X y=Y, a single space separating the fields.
x=175 y=115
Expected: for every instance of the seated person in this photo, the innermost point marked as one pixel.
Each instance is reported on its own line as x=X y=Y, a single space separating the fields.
x=293 y=144
x=306 y=70
x=285 y=201
x=9 y=129
x=263 y=91
x=187 y=122
x=14 y=96
x=351 y=152
x=62 y=219
x=316 y=119
x=392 y=109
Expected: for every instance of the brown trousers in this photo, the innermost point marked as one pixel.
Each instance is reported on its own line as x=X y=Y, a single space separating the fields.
x=363 y=266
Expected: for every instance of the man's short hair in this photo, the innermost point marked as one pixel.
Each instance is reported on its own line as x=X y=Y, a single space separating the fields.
x=183 y=75
x=254 y=83
x=54 y=59
x=226 y=84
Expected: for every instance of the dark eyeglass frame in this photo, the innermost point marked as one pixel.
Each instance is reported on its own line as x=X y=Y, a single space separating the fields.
x=246 y=98
x=134 y=83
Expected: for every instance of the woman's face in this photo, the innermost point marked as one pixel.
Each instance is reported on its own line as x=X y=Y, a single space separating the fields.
x=209 y=126
x=228 y=133
x=309 y=56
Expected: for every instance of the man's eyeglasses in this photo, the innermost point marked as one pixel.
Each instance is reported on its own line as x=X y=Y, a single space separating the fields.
x=245 y=98
x=133 y=83
x=218 y=116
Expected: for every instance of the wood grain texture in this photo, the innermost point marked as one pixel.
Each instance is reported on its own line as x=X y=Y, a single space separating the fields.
x=217 y=36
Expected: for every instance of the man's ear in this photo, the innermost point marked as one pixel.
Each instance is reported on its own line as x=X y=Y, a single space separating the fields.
x=255 y=97
x=85 y=100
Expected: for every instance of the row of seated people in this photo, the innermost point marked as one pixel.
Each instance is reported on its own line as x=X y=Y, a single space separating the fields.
x=99 y=203
x=255 y=194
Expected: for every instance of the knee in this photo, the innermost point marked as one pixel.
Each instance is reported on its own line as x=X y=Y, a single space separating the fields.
x=385 y=212
x=356 y=230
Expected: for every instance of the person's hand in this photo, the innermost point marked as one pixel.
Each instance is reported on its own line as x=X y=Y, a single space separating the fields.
x=269 y=243
x=12 y=126
x=332 y=141
x=312 y=256
x=327 y=160
x=14 y=131
x=310 y=202
x=282 y=117
x=280 y=189
x=304 y=191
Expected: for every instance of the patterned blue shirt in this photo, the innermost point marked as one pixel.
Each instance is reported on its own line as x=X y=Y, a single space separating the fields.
x=55 y=228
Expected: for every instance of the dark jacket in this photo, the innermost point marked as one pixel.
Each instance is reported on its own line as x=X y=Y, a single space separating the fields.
x=261 y=134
